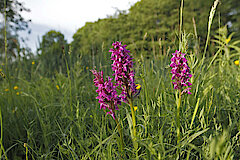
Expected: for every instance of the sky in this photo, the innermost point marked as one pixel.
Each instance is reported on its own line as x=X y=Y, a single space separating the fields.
x=67 y=16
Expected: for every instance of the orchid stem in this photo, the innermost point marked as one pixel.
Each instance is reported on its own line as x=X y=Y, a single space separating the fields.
x=178 y=120
x=135 y=144
x=121 y=135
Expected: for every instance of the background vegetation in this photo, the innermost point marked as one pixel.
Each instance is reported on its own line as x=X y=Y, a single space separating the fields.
x=48 y=104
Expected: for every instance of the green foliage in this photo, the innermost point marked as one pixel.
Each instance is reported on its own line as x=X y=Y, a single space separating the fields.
x=52 y=53
x=41 y=115
x=151 y=26
x=53 y=111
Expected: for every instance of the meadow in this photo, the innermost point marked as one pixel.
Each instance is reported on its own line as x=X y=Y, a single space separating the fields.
x=59 y=117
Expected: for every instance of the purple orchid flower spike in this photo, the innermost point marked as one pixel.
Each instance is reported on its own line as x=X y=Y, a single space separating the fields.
x=123 y=70
x=180 y=72
x=107 y=94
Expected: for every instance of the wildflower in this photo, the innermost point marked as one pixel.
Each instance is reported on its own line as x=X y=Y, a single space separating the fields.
x=138 y=86
x=0 y=70
x=6 y=90
x=227 y=40
x=15 y=87
x=236 y=62
x=123 y=73
x=107 y=94
x=57 y=86
x=180 y=72
x=86 y=68
x=135 y=108
x=33 y=62
x=17 y=93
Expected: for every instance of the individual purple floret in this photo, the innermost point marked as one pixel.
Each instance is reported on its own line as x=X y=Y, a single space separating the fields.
x=180 y=72
x=107 y=94
x=123 y=73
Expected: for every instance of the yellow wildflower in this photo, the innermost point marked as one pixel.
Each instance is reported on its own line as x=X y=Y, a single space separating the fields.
x=6 y=89
x=0 y=70
x=138 y=86
x=15 y=87
x=57 y=86
x=227 y=40
x=236 y=62
x=17 y=93
x=86 y=68
x=135 y=108
x=33 y=62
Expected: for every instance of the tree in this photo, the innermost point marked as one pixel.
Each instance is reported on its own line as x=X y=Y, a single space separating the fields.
x=51 y=52
x=14 y=8
x=14 y=23
x=160 y=20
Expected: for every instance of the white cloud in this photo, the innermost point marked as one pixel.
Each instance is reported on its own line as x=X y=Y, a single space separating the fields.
x=72 y=14
x=66 y=16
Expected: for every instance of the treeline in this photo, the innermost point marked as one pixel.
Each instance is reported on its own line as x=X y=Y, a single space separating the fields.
x=151 y=26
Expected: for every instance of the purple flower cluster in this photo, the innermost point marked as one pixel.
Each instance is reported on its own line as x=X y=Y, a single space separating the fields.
x=107 y=94
x=123 y=72
x=180 y=72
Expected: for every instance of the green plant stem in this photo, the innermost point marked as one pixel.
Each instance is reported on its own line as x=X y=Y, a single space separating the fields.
x=121 y=135
x=135 y=144
x=5 y=40
x=212 y=13
x=5 y=32
x=180 y=26
x=147 y=102
x=1 y=141
x=70 y=83
x=1 y=132
x=178 y=119
x=26 y=152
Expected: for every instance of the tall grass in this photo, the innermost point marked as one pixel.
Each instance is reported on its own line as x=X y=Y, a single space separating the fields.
x=59 y=117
